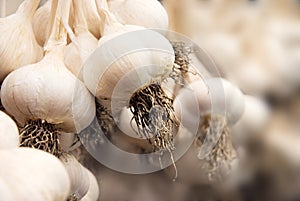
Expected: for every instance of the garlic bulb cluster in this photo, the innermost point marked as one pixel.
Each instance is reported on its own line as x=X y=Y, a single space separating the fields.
x=43 y=94
x=9 y=133
x=79 y=177
x=83 y=42
x=18 y=46
x=146 y=13
x=32 y=175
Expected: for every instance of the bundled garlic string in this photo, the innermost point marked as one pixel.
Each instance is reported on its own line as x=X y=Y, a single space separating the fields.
x=41 y=96
x=132 y=77
x=83 y=42
x=18 y=46
x=78 y=175
x=147 y=13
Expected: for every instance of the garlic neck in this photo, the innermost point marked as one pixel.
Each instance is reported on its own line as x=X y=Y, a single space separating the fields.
x=58 y=36
x=28 y=8
x=80 y=21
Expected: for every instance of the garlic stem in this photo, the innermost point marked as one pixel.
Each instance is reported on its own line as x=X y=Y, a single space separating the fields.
x=80 y=21
x=58 y=34
x=3 y=8
x=28 y=8
x=104 y=16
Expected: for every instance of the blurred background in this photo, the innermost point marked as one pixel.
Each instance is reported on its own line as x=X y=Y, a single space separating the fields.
x=256 y=45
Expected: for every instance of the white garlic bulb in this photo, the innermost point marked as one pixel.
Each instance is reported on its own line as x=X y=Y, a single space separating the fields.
x=47 y=90
x=9 y=133
x=79 y=177
x=146 y=13
x=5 y=192
x=18 y=46
x=93 y=192
x=34 y=175
x=83 y=42
x=131 y=71
x=40 y=23
x=212 y=96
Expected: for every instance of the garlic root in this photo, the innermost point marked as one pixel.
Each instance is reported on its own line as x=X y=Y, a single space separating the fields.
x=40 y=135
x=154 y=115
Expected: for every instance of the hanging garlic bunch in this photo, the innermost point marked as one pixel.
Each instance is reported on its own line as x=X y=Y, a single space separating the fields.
x=9 y=133
x=79 y=177
x=18 y=46
x=120 y=77
x=33 y=175
x=83 y=42
x=40 y=23
x=41 y=96
x=93 y=192
x=147 y=13
x=212 y=107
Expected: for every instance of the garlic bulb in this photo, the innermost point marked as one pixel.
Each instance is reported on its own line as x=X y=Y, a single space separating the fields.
x=40 y=23
x=9 y=133
x=83 y=42
x=46 y=95
x=253 y=121
x=93 y=192
x=16 y=30
x=79 y=177
x=215 y=96
x=138 y=67
x=5 y=192
x=146 y=13
x=34 y=175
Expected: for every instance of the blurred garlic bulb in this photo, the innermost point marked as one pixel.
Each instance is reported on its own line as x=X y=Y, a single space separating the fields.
x=212 y=96
x=33 y=175
x=93 y=192
x=146 y=13
x=5 y=192
x=253 y=121
x=9 y=133
x=191 y=170
x=79 y=177
x=83 y=42
x=16 y=30
x=40 y=23
x=46 y=94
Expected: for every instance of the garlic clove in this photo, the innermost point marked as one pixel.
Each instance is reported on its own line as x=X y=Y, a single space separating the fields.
x=9 y=133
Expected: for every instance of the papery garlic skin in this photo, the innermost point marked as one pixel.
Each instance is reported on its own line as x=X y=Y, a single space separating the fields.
x=146 y=13
x=92 y=17
x=83 y=42
x=34 y=175
x=9 y=133
x=93 y=192
x=79 y=177
x=18 y=46
x=40 y=23
x=47 y=92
